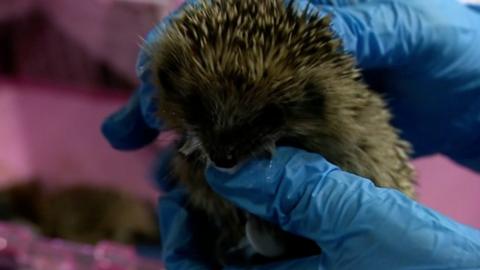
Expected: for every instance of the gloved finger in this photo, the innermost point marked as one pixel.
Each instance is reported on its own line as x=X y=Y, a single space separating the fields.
x=126 y=129
x=474 y=6
x=383 y=34
x=177 y=229
x=279 y=190
x=313 y=262
x=379 y=35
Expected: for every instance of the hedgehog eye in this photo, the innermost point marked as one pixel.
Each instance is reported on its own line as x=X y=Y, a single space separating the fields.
x=271 y=115
x=195 y=110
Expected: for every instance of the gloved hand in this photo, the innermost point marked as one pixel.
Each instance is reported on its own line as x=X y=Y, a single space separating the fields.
x=358 y=225
x=136 y=125
x=185 y=238
x=424 y=56
x=425 y=53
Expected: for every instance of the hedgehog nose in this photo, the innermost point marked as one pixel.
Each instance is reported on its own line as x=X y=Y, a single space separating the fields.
x=227 y=161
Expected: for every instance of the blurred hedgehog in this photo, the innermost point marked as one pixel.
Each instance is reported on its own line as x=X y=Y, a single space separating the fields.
x=80 y=213
x=237 y=78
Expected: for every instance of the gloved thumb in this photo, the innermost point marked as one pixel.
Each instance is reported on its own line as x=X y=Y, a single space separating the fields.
x=281 y=190
x=346 y=215
x=127 y=129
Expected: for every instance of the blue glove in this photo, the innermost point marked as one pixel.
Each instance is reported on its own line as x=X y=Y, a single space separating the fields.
x=181 y=233
x=425 y=57
x=358 y=225
x=185 y=238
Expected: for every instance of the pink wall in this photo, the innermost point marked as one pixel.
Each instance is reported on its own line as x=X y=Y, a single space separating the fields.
x=450 y=189
x=107 y=30
x=13 y=155
x=55 y=133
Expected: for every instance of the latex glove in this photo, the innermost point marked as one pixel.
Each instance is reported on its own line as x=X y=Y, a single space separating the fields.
x=425 y=57
x=181 y=233
x=186 y=238
x=358 y=225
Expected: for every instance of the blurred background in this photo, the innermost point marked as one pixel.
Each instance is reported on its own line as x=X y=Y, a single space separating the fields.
x=64 y=66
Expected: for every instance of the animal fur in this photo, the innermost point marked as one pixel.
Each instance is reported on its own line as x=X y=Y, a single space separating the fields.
x=80 y=213
x=236 y=78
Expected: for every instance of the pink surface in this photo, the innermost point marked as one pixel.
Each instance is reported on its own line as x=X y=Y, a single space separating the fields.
x=14 y=155
x=450 y=189
x=55 y=134
x=108 y=30
x=15 y=8
x=32 y=251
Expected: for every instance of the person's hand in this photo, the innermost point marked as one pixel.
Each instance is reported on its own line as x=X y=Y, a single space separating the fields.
x=181 y=231
x=186 y=237
x=424 y=56
x=357 y=225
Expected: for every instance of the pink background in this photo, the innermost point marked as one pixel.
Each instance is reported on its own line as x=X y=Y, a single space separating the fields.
x=109 y=31
x=54 y=132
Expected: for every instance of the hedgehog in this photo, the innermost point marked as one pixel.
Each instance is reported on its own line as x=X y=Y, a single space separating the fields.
x=80 y=213
x=235 y=79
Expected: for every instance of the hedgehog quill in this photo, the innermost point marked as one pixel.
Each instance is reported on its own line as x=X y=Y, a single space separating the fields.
x=237 y=78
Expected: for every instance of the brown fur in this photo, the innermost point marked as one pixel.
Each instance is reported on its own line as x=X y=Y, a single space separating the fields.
x=239 y=77
x=81 y=213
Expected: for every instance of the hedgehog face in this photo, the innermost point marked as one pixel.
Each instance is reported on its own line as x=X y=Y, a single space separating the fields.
x=227 y=124
x=236 y=76
x=229 y=119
